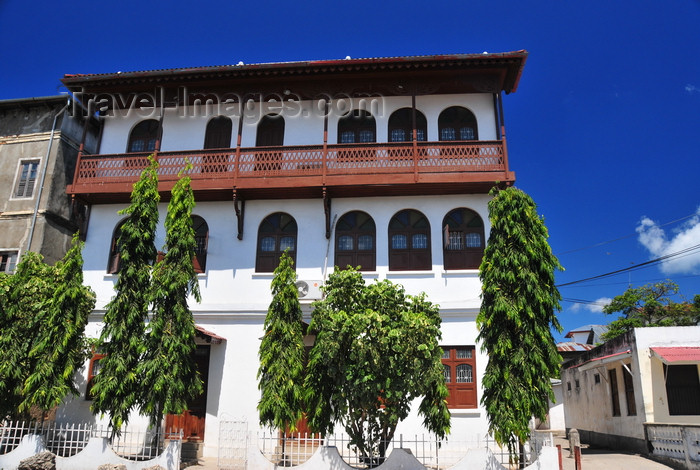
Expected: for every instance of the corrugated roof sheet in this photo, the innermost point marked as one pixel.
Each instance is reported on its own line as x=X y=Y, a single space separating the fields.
x=570 y=346
x=675 y=354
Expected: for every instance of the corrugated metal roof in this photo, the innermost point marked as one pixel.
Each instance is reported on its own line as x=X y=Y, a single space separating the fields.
x=675 y=354
x=570 y=346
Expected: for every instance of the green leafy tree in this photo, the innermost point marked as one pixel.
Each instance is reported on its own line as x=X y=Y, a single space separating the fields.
x=519 y=300
x=281 y=372
x=168 y=373
x=650 y=305
x=60 y=347
x=25 y=297
x=376 y=351
x=117 y=388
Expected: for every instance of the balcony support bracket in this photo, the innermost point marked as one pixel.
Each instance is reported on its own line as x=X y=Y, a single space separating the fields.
x=327 y=212
x=239 y=207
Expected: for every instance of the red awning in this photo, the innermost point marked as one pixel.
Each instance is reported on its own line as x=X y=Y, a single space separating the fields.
x=676 y=354
x=212 y=338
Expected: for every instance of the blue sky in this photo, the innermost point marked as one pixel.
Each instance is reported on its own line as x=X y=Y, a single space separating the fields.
x=603 y=132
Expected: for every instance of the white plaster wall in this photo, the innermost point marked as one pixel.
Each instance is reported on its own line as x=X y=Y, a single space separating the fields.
x=235 y=298
x=184 y=127
x=652 y=377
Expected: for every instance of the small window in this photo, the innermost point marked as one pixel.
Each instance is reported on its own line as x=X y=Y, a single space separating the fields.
x=629 y=392
x=401 y=126
x=596 y=378
x=682 y=389
x=578 y=384
x=459 y=366
x=201 y=237
x=457 y=123
x=143 y=136
x=614 y=392
x=218 y=133
x=355 y=234
x=568 y=386
x=463 y=239
x=93 y=370
x=357 y=126
x=26 y=179
x=277 y=233
x=409 y=242
x=114 y=263
x=8 y=261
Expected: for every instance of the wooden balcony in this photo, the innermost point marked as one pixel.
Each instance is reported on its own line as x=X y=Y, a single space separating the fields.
x=305 y=171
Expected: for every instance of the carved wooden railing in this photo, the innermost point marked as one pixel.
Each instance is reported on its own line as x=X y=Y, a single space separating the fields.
x=297 y=161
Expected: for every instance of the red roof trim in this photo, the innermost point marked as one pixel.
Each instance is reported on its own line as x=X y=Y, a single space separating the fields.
x=215 y=339
x=596 y=359
x=678 y=354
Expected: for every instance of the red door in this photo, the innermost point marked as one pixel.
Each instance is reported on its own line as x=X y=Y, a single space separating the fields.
x=192 y=421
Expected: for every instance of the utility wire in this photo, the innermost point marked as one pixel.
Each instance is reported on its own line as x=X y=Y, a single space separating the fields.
x=681 y=253
x=595 y=245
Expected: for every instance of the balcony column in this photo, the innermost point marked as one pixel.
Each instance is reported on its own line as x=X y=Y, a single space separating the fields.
x=324 y=163
x=237 y=163
x=415 y=136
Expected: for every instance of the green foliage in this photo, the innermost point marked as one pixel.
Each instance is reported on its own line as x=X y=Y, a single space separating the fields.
x=25 y=296
x=60 y=347
x=281 y=372
x=376 y=351
x=43 y=312
x=519 y=300
x=116 y=389
x=167 y=372
x=650 y=305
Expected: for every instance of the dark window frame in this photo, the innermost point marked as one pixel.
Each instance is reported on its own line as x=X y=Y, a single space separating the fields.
x=628 y=381
x=201 y=238
x=405 y=223
x=218 y=133
x=351 y=225
x=457 y=118
x=458 y=225
x=614 y=392
x=464 y=394
x=114 y=260
x=357 y=123
x=402 y=120
x=682 y=383
x=277 y=226
x=143 y=136
x=8 y=261
x=27 y=175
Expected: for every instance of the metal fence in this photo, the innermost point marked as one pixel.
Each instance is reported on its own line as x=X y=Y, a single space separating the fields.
x=429 y=451
x=66 y=440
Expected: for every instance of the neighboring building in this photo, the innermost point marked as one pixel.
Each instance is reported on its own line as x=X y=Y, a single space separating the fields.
x=39 y=142
x=634 y=387
x=583 y=338
x=384 y=163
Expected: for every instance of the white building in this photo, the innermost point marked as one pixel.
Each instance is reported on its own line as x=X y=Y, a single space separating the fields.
x=384 y=163
x=638 y=390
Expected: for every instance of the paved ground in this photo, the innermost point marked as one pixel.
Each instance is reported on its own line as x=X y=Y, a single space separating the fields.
x=591 y=459
x=602 y=459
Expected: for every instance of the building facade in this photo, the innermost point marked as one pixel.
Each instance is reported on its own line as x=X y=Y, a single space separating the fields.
x=627 y=390
x=380 y=163
x=39 y=143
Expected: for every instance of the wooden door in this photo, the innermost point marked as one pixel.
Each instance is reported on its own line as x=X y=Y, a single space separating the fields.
x=192 y=420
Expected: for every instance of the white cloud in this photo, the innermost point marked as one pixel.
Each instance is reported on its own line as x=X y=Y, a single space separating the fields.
x=692 y=89
x=656 y=241
x=595 y=307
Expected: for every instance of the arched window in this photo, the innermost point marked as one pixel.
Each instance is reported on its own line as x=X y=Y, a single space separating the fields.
x=401 y=126
x=270 y=134
x=409 y=241
x=355 y=236
x=201 y=237
x=218 y=133
x=277 y=233
x=114 y=263
x=357 y=126
x=270 y=131
x=457 y=123
x=143 y=136
x=462 y=239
